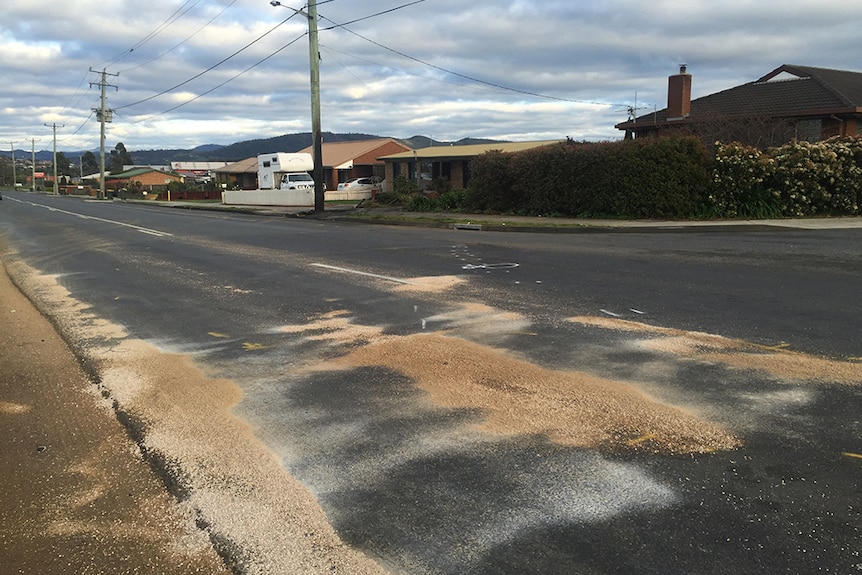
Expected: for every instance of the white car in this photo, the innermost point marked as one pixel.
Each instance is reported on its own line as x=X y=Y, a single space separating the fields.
x=297 y=181
x=361 y=185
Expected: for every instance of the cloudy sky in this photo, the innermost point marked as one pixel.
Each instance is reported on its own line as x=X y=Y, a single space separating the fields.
x=194 y=72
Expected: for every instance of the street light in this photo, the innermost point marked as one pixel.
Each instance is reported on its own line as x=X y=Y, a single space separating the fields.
x=314 y=65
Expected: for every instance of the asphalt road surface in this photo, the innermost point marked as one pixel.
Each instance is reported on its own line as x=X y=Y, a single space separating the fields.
x=453 y=401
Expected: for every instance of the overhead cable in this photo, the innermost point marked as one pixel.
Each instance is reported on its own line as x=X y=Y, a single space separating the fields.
x=214 y=66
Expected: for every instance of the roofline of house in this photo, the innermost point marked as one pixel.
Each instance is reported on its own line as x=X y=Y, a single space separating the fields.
x=647 y=123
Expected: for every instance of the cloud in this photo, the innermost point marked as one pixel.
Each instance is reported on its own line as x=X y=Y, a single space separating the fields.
x=511 y=69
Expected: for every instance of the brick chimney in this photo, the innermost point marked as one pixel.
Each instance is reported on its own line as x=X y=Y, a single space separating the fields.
x=679 y=94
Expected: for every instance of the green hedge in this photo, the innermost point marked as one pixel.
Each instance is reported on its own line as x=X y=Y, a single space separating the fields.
x=665 y=178
x=670 y=178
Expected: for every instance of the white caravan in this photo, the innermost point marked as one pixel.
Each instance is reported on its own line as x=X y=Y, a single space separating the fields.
x=282 y=171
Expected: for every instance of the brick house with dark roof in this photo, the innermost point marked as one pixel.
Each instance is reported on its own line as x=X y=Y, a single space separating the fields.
x=791 y=102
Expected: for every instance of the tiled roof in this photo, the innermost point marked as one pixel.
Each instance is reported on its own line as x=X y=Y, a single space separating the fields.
x=241 y=167
x=137 y=172
x=337 y=154
x=469 y=150
x=787 y=91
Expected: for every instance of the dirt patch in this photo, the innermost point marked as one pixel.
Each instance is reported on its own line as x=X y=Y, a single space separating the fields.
x=75 y=494
x=779 y=363
x=336 y=327
x=433 y=284
x=519 y=397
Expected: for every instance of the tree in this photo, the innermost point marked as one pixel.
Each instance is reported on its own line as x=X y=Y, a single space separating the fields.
x=64 y=165
x=90 y=165
x=119 y=158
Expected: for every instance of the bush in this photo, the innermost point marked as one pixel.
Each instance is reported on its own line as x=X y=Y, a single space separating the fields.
x=664 y=178
x=796 y=179
x=421 y=203
x=818 y=178
x=453 y=201
x=404 y=186
x=490 y=187
x=740 y=184
x=670 y=178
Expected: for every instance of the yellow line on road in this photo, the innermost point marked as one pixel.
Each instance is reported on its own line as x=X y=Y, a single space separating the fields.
x=254 y=346
x=848 y=454
x=641 y=439
x=216 y=334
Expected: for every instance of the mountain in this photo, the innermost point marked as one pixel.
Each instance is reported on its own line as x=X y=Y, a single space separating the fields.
x=241 y=150
x=417 y=142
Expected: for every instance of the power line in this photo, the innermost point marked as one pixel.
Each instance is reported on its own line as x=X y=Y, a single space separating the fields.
x=214 y=88
x=186 y=39
x=452 y=72
x=176 y=15
x=214 y=66
x=367 y=17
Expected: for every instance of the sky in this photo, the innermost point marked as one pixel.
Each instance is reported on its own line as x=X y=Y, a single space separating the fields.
x=184 y=73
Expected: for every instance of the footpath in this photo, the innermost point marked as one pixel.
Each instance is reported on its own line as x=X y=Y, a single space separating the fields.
x=492 y=222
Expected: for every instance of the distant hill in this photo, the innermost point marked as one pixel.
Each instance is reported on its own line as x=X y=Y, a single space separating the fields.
x=242 y=150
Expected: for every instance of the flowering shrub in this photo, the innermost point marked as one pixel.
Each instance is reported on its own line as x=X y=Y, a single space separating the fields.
x=796 y=179
x=740 y=189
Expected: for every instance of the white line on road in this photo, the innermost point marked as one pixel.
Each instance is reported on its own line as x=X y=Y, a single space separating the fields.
x=361 y=273
x=116 y=223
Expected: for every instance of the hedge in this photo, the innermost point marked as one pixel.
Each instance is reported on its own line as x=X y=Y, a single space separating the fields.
x=671 y=178
x=665 y=178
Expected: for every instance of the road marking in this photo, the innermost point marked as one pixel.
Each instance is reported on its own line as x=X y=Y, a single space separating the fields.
x=855 y=455
x=216 y=334
x=641 y=439
x=149 y=231
x=499 y=266
x=361 y=273
x=610 y=313
x=780 y=346
x=254 y=346
x=637 y=311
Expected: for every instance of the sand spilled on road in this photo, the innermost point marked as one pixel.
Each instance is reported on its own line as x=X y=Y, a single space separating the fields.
x=780 y=363
x=519 y=397
x=516 y=396
x=259 y=516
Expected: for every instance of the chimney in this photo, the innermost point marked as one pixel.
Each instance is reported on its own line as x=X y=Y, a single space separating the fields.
x=678 y=94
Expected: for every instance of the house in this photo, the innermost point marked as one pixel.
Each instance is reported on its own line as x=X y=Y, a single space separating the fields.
x=343 y=161
x=790 y=102
x=240 y=175
x=151 y=180
x=450 y=162
x=196 y=171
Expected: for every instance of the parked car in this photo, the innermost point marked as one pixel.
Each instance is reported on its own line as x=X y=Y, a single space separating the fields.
x=361 y=184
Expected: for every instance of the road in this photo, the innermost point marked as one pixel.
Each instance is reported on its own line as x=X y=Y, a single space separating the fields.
x=474 y=402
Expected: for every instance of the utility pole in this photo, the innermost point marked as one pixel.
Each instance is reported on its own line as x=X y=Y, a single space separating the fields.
x=104 y=115
x=33 y=156
x=316 y=136
x=14 y=178
x=54 y=125
x=314 y=64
